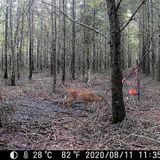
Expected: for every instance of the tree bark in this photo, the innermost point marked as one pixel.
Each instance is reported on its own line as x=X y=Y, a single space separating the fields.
x=158 y=56
x=30 y=42
x=6 y=42
x=54 y=39
x=94 y=41
x=64 y=44
x=13 y=79
x=73 y=69
x=153 y=45
x=118 y=108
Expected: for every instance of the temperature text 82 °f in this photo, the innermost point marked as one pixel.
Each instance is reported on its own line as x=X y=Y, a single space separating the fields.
x=69 y=154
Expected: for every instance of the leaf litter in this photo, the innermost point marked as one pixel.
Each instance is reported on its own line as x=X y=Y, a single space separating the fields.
x=32 y=117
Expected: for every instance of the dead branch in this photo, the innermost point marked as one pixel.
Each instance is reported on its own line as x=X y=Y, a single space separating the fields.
x=81 y=24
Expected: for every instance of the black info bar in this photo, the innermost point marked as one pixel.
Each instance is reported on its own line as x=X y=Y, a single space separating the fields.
x=79 y=155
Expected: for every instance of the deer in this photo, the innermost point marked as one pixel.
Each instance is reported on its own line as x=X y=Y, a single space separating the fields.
x=80 y=95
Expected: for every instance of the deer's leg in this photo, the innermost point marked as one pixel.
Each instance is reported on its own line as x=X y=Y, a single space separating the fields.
x=69 y=101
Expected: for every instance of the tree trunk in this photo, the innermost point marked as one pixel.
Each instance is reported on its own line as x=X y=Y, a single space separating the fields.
x=106 y=56
x=94 y=41
x=38 y=51
x=52 y=43
x=158 y=56
x=129 y=50
x=19 y=47
x=54 y=38
x=73 y=69
x=153 y=45
x=6 y=42
x=64 y=43
x=147 y=65
x=41 y=45
x=118 y=108
x=13 y=81
x=30 y=42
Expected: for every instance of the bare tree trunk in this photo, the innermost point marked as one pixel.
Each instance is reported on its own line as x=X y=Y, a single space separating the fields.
x=153 y=45
x=13 y=81
x=147 y=65
x=52 y=43
x=143 y=41
x=64 y=43
x=38 y=51
x=129 y=50
x=59 y=43
x=2 y=65
x=158 y=56
x=19 y=47
x=54 y=39
x=30 y=42
x=41 y=46
x=94 y=41
x=84 y=48
x=73 y=69
x=6 y=42
x=118 y=108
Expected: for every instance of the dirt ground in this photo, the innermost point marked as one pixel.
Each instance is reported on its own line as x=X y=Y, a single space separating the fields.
x=33 y=119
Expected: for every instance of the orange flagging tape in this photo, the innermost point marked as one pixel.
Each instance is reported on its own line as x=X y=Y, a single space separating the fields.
x=133 y=91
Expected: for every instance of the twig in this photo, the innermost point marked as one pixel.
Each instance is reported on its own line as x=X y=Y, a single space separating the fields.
x=141 y=136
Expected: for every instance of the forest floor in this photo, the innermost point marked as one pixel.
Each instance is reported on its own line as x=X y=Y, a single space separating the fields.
x=32 y=118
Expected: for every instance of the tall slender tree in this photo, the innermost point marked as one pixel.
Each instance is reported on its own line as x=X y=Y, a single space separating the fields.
x=6 y=42
x=64 y=43
x=73 y=69
x=30 y=40
x=152 y=32
x=12 y=44
x=158 y=62
x=94 y=39
x=54 y=42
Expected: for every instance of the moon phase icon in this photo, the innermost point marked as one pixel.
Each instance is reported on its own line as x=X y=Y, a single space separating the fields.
x=14 y=155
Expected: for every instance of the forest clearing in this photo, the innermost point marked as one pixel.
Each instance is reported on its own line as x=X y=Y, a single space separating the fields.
x=80 y=75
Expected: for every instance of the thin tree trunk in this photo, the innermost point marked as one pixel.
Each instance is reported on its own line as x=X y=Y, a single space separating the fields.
x=13 y=81
x=94 y=41
x=2 y=66
x=158 y=56
x=64 y=44
x=38 y=50
x=59 y=43
x=148 y=40
x=30 y=43
x=73 y=70
x=54 y=39
x=6 y=42
x=19 y=42
x=52 y=43
x=129 y=51
x=153 y=45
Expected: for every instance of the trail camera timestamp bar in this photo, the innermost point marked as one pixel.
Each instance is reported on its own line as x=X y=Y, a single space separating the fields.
x=80 y=155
